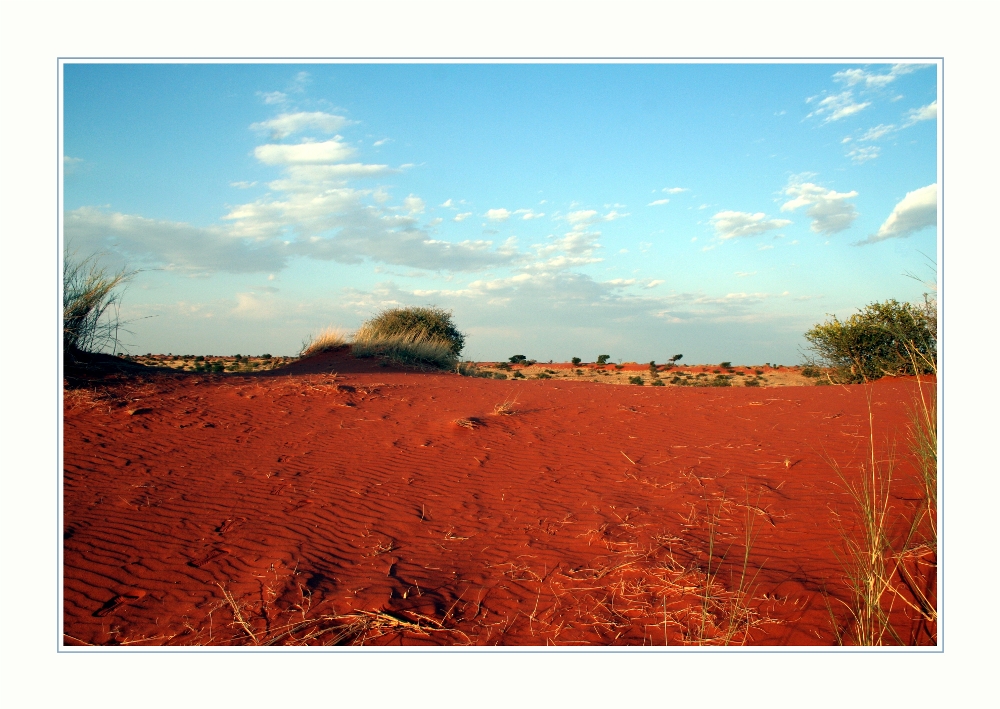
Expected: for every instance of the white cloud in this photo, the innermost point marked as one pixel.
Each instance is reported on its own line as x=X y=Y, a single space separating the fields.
x=176 y=245
x=304 y=153
x=871 y=80
x=924 y=113
x=877 y=132
x=447 y=203
x=435 y=221
x=916 y=211
x=744 y=274
x=498 y=215
x=657 y=202
x=655 y=282
x=732 y=225
x=413 y=205
x=309 y=178
x=675 y=190
x=837 y=106
x=289 y=123
x=243 y=184
x=70 y=165
x=829 y=210
x=864 y=154
x=272 y=97
x=379 y=143
x=462 y=217
x=583 y=218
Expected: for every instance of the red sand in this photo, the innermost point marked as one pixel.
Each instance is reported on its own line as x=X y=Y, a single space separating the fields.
x=584 y=517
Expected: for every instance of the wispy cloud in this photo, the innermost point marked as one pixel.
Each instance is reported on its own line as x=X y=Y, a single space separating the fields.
x=864 y=154
x=288 y=124
x=676 y=190
x=657 y=202
x=877 y=132
x=829 y=210
x=70 y=165
x=836 y=106
x=735 y=225
x=462 y=217
x=924 y=113
x=870 y=79
x=916 y=211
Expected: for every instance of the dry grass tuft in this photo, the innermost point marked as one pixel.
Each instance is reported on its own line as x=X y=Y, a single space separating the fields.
x=876 y=557
x=505 y=407
x=415 y=350
x=326 y=341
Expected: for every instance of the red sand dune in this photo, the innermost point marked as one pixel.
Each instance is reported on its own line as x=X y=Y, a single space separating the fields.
x=296 y=505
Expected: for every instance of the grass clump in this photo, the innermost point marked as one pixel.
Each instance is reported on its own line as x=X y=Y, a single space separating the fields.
x=635 y=380
x=412 y=336
x=414 y=324
x=328 y=340
x=91 y=301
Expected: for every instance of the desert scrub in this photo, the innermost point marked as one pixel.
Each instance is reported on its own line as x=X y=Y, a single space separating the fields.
x=889 y=338
x=91 y=302
x=635 y=380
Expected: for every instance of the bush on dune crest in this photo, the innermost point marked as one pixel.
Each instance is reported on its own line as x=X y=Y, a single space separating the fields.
x=417 y=336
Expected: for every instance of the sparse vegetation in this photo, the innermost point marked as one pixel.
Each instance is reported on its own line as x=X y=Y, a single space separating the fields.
x=602 y=360
x=635 y=380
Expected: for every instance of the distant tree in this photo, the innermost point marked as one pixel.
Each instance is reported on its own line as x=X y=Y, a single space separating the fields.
x=576 y=361
x=603 y=359
x=518 y=359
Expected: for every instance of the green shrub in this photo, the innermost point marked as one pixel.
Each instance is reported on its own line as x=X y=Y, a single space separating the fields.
x=543 y=375
x=517 y=375
x=635 y=380
x=751 y=383
x=504 y=366
x=811 y=372
x=658 y=383
x=414 y=324
x=889 y=338
x=726 y=365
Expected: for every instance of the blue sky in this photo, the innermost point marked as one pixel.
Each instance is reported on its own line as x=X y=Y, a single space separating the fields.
x=559 y=210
